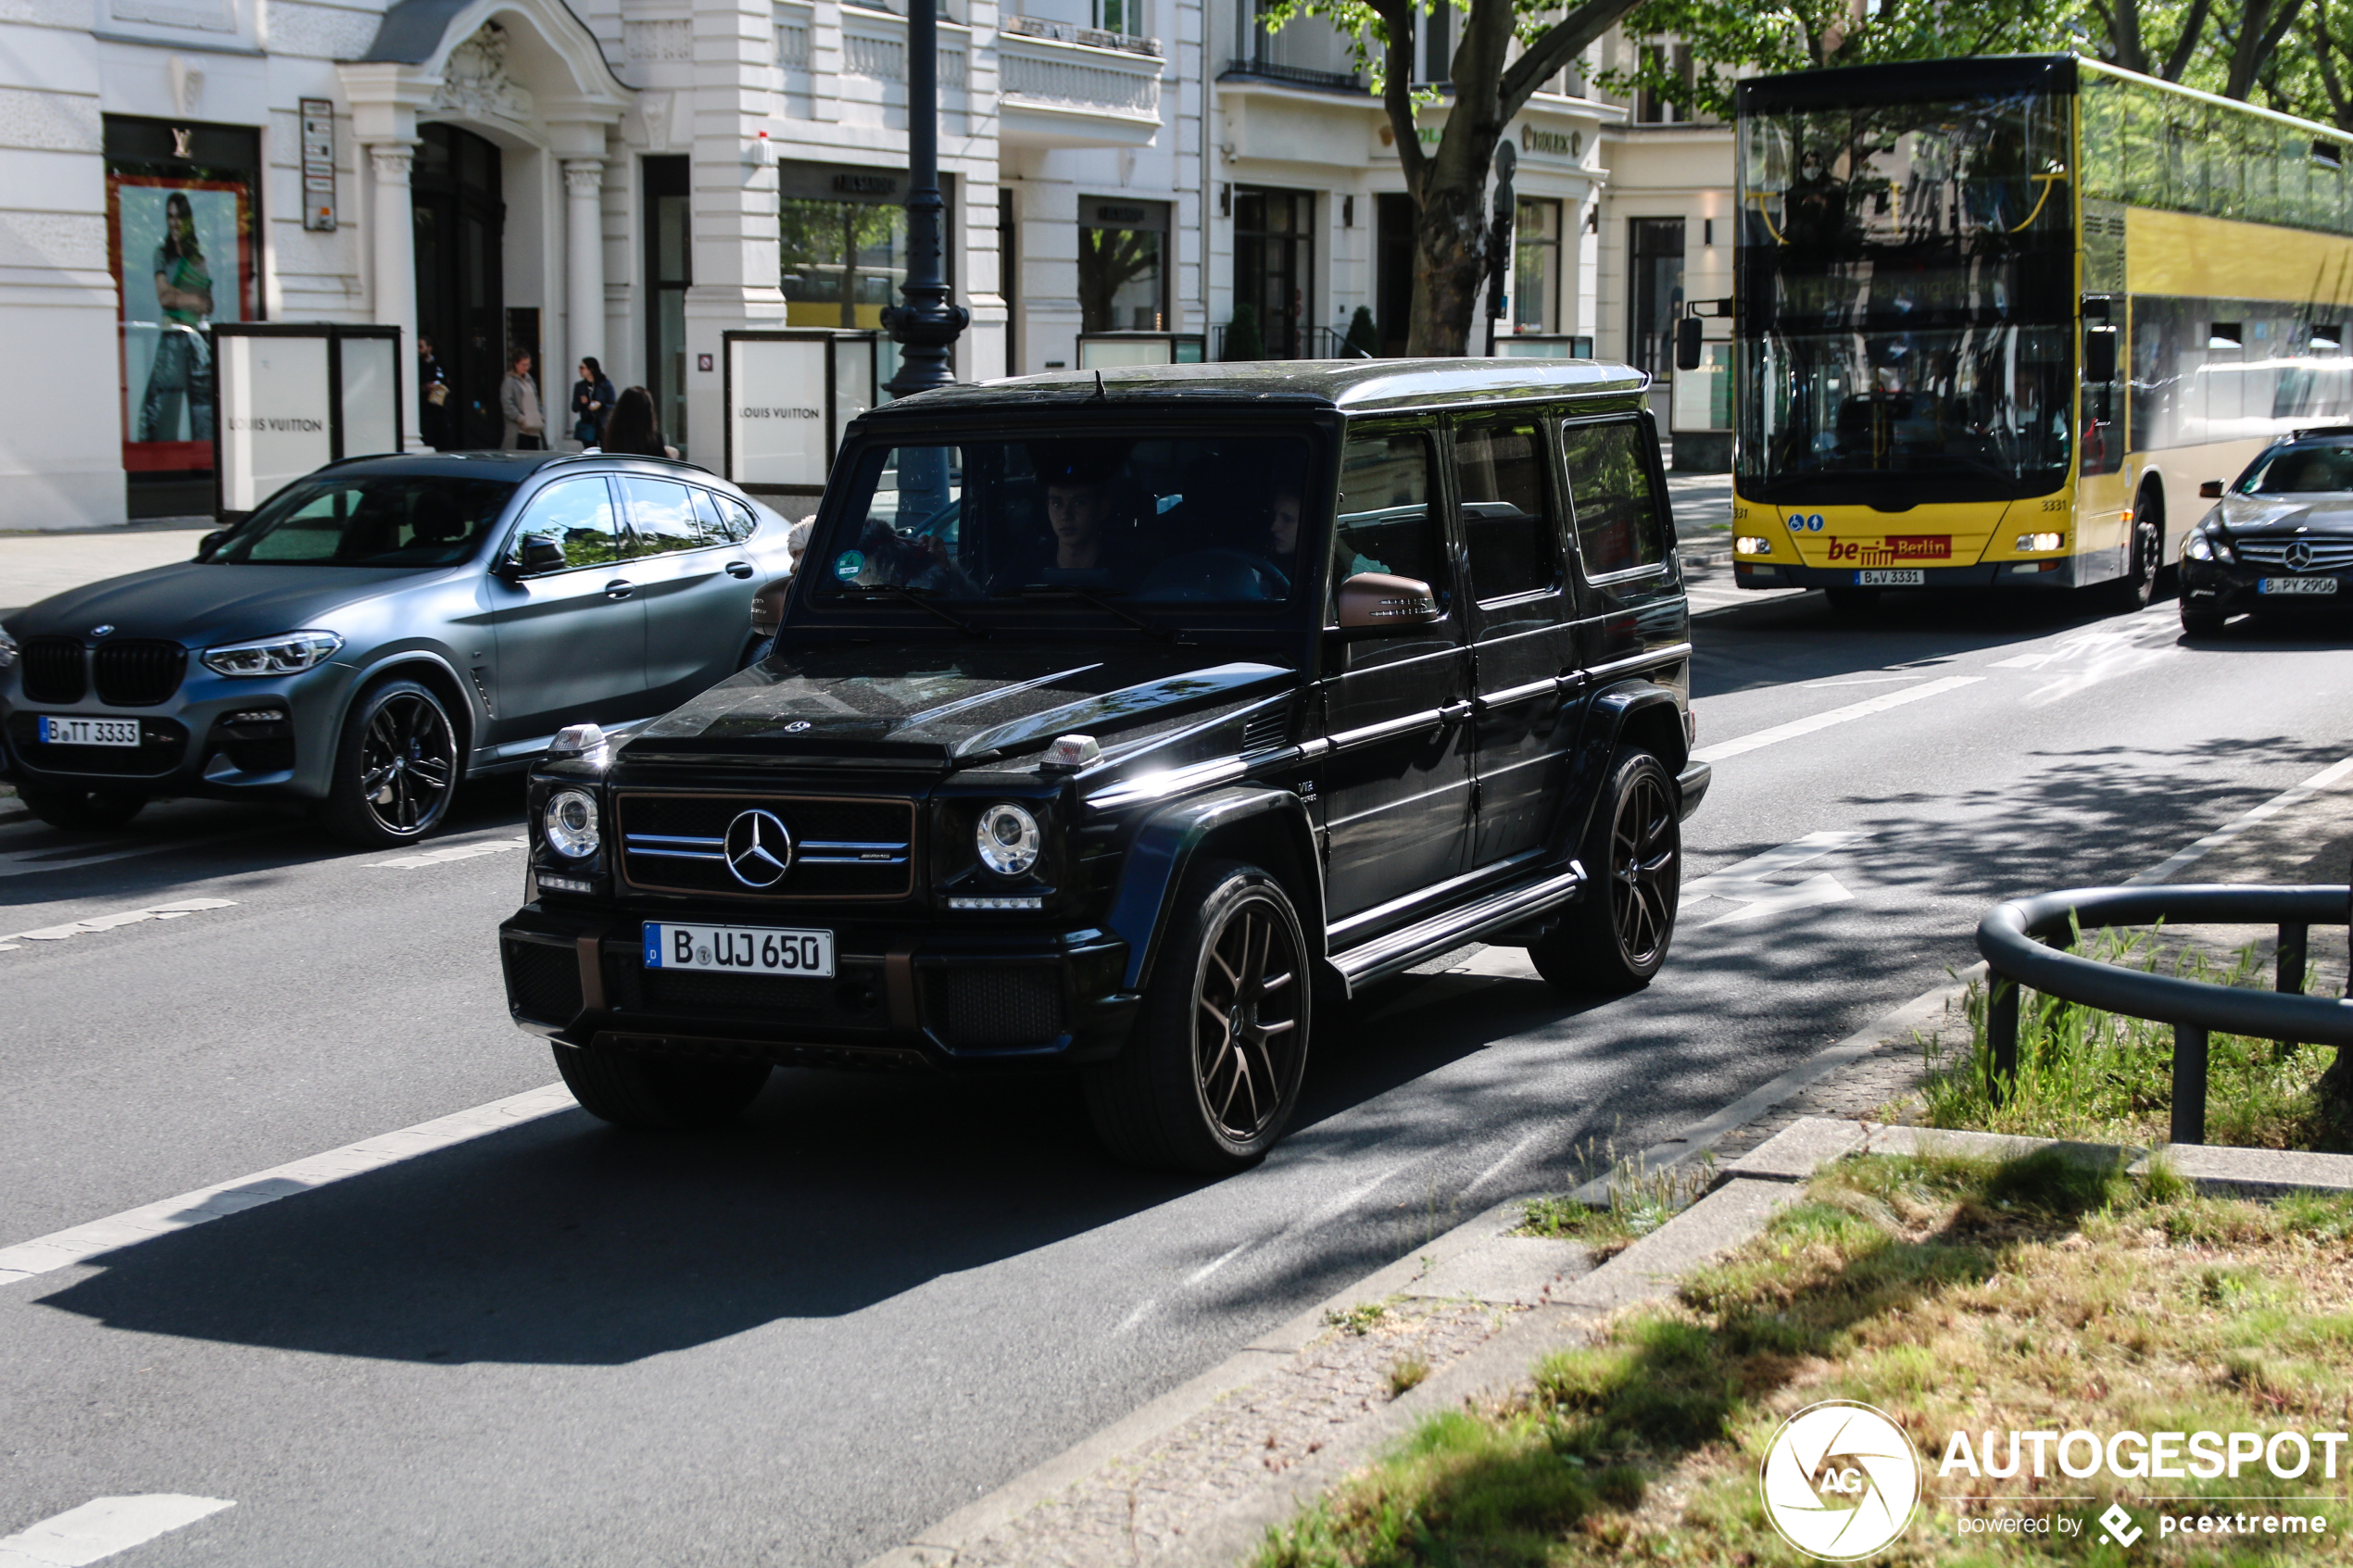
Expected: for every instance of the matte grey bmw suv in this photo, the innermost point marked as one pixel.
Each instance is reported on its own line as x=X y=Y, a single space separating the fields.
x=382 y=629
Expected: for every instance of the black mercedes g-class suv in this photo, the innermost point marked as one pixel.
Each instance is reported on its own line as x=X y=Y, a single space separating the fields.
x=1120 y=722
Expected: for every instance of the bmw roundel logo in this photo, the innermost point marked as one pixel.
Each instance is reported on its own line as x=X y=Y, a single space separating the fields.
x=102 y=630
x=759 y=848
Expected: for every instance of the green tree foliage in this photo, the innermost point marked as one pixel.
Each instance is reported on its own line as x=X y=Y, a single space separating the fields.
x=1363 y=336
x=1243 y=341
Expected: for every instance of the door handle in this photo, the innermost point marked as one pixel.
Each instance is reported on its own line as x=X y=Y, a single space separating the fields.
x=620 y=588
x=1453 y=712
x=739 y=569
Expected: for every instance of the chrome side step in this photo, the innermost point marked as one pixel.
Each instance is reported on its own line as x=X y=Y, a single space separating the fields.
x=1402 y=949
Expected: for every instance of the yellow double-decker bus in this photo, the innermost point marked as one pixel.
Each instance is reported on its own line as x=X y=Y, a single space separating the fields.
x=1997 y=320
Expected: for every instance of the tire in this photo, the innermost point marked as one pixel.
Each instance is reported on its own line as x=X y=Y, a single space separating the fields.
x=1211 y=1076
x=1852 y=604
x=2138 y=586
x=1616 y=936
x=395 y=770
x=81 y=808
x=2201 y=622
x=659 y=1094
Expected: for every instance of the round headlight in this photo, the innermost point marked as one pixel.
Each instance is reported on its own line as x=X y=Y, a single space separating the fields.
x=570 y=821
x=1007 y=839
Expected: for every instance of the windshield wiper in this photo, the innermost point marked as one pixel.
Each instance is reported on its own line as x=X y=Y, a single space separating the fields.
x=919 y=597
x=1101 y=601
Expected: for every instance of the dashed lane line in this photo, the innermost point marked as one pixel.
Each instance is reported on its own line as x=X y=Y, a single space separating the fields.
x=108 y=922
x=102 y=1527
x=1758 y=739
x=443 y=855
x=84 y=1244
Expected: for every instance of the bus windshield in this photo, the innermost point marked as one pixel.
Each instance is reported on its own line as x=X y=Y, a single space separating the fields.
x=1907 y=285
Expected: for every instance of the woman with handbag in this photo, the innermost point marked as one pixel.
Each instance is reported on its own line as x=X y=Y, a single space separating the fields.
x=591 y=404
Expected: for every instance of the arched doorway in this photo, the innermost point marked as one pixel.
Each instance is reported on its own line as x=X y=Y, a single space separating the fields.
x=461 y=292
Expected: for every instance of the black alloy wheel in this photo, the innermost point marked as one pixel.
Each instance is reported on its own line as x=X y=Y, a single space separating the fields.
x=396 y=770
x=1210 y=1078
x=80 y=808
x=1616 y=936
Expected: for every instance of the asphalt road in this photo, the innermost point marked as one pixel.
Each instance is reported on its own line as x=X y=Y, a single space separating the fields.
x=799 y=1341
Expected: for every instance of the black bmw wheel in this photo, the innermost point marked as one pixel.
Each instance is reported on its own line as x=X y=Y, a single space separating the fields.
x=396 y=770
x=1211 y=1076
x=1615 y=937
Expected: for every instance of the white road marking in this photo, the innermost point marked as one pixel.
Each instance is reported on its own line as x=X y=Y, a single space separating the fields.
x=1503 y=964
x=1759 y=898
x=1134 y=1320
x=1759 y=739
x=1205 y=1271
x=443 y=855
x=102 y=1527
x=1510 y=1156
x=1861 y=680
x=108 y=922
x=83 y=1244
x=2166 y=869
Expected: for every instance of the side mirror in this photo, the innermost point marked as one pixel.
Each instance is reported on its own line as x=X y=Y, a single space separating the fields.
x=209 y=543
x=1374 y=601
x=2210 y=490
x=1687 y=344
x=768 y=606
x=536 y=552
x=2099 y=355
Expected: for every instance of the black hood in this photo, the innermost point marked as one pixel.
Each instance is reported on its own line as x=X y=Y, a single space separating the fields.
x=202 y=605
x=951 y=705
x=2287 y=514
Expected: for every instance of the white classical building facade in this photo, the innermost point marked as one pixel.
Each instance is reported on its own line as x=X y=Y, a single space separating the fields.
x=633 y=178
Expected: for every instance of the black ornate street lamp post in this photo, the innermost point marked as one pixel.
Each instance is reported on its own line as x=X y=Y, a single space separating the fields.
x=929 y=324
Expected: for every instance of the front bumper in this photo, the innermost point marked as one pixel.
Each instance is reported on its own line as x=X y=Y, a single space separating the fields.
x=903 y=995
x=187 y=746
x=2233 y=588
x=2061 y=571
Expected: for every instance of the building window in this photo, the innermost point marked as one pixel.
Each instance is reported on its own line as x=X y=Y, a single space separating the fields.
x=1122 y=275
x=1663 y=59
x=1536 y=276
x=181 y=220
x=1654 y=246
x=669 y=273
x=1121 y=16
x=1274 y=269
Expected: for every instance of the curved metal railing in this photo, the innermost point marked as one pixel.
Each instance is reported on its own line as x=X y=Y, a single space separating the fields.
x=2024 y=942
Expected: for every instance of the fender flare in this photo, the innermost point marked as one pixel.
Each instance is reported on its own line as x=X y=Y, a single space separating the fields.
x=1162 y=851
x=1611 y=711
x=383 y=662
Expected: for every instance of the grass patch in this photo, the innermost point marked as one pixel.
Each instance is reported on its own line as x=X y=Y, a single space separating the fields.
x=1955 y=1295
x=2084 y=1074
x=1642 y=1199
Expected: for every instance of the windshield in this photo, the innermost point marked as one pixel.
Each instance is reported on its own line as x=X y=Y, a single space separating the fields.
x=2299 y=470
x=1200 y=520
x=1906 y=277
x=370 y=520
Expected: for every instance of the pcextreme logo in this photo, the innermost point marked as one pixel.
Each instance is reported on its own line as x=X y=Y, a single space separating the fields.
x=1840 y=1480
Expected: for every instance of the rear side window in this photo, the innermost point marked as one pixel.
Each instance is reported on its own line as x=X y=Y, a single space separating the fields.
x=577 y=514
x=1386 y=522
x=722 y=517
x=1619 y=525
x=661 y=516
x=1507 y=521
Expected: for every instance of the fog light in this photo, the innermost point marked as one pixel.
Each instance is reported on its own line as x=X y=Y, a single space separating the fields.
x=1749 y=546
x=2028 y=543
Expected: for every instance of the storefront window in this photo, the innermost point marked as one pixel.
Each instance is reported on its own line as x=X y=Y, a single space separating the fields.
x=844 y=245
x=1121 y=275
x=1536 y=279
x=179 y=230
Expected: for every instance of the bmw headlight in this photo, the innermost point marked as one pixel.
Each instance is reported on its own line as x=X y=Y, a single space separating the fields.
x=1007 y=839
x=570 y=819
x=8 y=650
x=289 y=653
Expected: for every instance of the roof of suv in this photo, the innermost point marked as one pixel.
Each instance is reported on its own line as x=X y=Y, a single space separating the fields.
x=513 y=467
x=1355 y=385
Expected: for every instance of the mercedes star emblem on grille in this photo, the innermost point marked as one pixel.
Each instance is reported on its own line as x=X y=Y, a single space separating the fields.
x=759 y=848
x=2299 y=556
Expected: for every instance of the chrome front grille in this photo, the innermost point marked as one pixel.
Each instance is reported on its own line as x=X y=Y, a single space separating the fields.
x=2323 y=554
x=843 y=846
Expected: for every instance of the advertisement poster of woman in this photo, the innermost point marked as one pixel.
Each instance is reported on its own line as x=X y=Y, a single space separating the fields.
x=183 y=263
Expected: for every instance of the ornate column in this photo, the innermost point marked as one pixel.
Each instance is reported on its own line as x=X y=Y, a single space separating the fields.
x=584 y=264
x=393 y=215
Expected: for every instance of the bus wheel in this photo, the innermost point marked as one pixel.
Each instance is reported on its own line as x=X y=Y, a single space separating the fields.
x=1852 y=604
x=2139 y=583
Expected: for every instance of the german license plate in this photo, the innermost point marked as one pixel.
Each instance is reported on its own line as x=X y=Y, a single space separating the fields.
x=104 y=732
x=740 y=949
x=1892 y=577
x=2298 y=585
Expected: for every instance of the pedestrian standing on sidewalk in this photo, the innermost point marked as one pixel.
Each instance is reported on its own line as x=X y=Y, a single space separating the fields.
x=591 y=403
x=519 y=401
x=632 y=428
x=432 y=396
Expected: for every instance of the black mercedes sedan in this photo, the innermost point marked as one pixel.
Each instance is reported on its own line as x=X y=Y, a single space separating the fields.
x=2279 y=536
x=380 y=630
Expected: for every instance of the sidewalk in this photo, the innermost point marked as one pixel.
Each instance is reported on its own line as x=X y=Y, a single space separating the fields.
x=1197 y=1477
x=34 y=565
